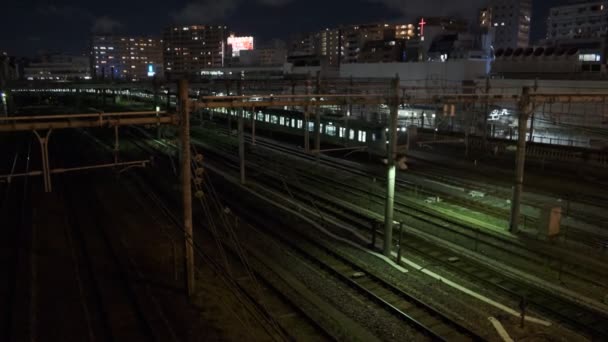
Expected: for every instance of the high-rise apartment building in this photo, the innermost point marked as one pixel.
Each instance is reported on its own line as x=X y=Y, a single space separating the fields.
x=485 y=18
x=581 y=26
x=126 y=58
x=346 y=44
x=304 y=45
x=578 y=21
x=331 y=45
x=511 y=22
x=189 y=49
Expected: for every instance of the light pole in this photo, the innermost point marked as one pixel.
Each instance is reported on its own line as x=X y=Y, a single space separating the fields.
x=520 y=159
x=391 y=156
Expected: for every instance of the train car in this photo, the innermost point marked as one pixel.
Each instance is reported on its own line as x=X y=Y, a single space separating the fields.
x=337 y=132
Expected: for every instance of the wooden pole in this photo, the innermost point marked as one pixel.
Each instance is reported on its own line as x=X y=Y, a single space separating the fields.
x=186 y=186
x=520 y=160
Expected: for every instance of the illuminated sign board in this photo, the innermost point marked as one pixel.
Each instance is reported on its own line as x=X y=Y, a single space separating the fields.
x=496 y=114
x=151 y=71
x=239 y=44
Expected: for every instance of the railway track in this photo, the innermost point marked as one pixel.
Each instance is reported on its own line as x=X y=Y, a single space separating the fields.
x=239 y=278
x=503 y=190
x=571 y=313
x=236 y=277
x=15 y=213
x=116 y=311
x=583 y=237
x=574 y=315
x=592 y=322
x=431 y=322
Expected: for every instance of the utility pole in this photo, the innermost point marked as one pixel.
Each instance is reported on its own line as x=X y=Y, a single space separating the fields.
x=184 y=110
x=253 y=119
x=241 y=134
x=520 y=160
x=391 y=156
x=531 y=136
x=318 y=118
x=485 y=114
x=307 y=119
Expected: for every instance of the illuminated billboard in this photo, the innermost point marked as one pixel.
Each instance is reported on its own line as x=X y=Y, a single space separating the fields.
x=151 y=71
x=239 y=44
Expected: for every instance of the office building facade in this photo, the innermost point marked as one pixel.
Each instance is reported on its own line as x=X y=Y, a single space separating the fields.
x=126 y=58
x=511 y=22
x=189 y=49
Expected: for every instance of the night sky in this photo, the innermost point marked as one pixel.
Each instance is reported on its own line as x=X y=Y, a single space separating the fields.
x=30 y=26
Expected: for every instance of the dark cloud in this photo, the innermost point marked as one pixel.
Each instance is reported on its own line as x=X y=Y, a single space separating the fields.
x=412 y=9
x=105 y=24
x=275 y=2
x=205 y=11
x=66 y=12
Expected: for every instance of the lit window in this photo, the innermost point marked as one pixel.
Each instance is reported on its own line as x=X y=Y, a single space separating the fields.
x=362 y=136
x=330 y=130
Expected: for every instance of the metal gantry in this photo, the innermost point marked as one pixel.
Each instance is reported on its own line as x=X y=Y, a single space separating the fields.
x=43 y=126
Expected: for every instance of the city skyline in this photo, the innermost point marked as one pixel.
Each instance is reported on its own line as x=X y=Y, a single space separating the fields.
x=66 y=26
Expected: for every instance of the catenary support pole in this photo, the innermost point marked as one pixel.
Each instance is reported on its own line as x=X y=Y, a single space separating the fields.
x=116 y=144
x=391 y=157
x=307 y=120
x=318 y=132
x=524 y=113
x=241 y=135
x=486 y=109
x=46 y=165
x=186 y=185
x=318 y=118
x=253 y=119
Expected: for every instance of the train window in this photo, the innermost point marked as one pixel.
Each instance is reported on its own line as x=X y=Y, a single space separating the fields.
x=293 y=123
x=311 y=126
x=373 y=136
x=351 y=134
x=274 y=119
x=260 y=117
x=300 y=124
x=362 y=136
x=267 y=118
x=330 y=130
x=282 y=121
x=342 y=132
x=321 y=128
